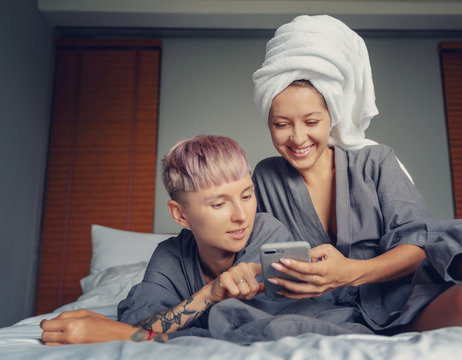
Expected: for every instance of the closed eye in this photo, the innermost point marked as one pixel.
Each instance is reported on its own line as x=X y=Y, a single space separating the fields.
x=248 y=195
x=217 y=205
x=279 y=125
x=312 y=122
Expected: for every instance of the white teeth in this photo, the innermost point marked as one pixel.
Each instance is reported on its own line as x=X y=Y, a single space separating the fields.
x=237 y=231
x=301 y=151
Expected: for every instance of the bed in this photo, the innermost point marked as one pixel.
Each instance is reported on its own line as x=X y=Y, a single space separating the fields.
x=118 y=262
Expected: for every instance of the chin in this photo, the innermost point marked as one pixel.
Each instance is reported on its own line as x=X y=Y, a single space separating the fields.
x=238 y=246
x=301 y=164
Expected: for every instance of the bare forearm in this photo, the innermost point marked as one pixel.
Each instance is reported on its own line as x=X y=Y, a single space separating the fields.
x=394 y=264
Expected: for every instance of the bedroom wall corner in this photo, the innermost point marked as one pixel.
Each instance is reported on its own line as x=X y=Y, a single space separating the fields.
x=26 y=67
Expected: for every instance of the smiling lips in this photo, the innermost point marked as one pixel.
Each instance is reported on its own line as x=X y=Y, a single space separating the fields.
x=238 y=234
x=301 y=151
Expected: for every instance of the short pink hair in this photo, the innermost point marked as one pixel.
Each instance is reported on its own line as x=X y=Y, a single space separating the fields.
x=201 y=162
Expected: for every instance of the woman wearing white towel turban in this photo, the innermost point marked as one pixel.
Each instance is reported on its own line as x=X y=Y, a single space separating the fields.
x=381 y=251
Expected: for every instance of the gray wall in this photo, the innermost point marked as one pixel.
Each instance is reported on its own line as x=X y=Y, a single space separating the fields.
x=25 y=66
x=412 y=118
x=206 y=88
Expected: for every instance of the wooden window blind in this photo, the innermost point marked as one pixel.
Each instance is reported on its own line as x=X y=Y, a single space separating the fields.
x=102 y=155
x=451 y=64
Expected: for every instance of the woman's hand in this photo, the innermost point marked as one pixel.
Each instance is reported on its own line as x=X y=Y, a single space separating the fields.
x=334 y=270
x=84 y=327
x=237 y=282
x=328 y=270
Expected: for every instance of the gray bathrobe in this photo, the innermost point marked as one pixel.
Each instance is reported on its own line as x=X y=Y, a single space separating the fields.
x=174 y=274
x=377 y=208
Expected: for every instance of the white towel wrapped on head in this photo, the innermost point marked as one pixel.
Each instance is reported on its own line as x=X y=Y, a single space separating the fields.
x=334 y=58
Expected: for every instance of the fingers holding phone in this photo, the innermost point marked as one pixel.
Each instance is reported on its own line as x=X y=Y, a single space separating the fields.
x=271 y=255
x=328 y=270
x=303 y=284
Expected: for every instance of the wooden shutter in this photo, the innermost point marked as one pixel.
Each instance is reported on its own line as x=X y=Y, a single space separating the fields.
x=102 y=155
x=451 y=63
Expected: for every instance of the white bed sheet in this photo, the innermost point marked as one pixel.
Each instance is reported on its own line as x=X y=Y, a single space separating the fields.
x=21 y=341
x=104 y=290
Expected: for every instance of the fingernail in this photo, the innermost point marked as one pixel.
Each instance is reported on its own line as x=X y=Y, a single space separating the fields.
x=277 y=266
x=285 y=261
x=273 y=281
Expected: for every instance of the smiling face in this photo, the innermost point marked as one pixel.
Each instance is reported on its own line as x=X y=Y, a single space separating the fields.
x=300 y=126
x=220 y=217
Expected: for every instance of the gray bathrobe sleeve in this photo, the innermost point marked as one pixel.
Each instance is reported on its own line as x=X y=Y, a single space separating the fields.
x=171 y=277
x=174 y=273
x=378 y=208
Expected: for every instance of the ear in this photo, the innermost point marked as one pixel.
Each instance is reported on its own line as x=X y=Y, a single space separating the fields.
x=177 y=213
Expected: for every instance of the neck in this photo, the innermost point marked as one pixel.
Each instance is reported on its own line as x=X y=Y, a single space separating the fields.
x=322 y=170
x=214 y=263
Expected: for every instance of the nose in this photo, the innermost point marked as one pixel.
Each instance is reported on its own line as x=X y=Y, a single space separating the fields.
x=298 y=136
x=239 y=214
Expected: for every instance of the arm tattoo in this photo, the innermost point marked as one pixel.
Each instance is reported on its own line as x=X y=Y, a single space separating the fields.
x=171 y=316
x=141 y=335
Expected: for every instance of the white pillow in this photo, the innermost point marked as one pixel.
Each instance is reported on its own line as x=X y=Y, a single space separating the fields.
x=103 y=290
x=113 y=280
x=110 y=286
x=113 y=247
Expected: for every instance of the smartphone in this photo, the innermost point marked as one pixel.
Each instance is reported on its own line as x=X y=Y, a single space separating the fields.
x=271 y=253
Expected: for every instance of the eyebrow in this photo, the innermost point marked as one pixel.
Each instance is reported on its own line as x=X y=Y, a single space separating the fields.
x=306 y=115
x=214 y=197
